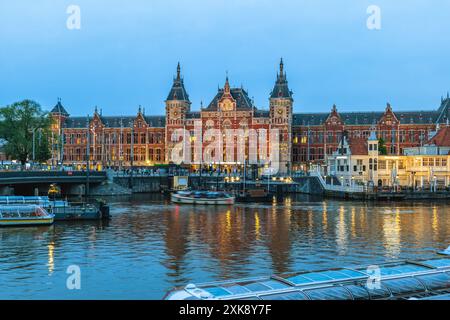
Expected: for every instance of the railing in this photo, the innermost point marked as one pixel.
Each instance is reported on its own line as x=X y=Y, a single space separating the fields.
x=330 y=187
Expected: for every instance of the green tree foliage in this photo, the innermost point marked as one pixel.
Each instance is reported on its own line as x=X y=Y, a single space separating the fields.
x=17 y=124
x=382 y=147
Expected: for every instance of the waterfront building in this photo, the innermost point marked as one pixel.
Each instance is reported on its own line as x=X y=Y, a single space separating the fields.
x=305 y=138
x=358 y=162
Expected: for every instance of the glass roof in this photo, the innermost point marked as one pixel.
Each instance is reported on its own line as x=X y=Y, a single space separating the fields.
x=378 y=293
x=404 y=285
x=435 y=281
x=329 y=293
x=358 y=292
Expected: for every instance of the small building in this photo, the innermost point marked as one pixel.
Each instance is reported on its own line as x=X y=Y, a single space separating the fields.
x=358 y=162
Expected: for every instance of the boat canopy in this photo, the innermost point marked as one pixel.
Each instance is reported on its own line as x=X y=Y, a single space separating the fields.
x=399 y=280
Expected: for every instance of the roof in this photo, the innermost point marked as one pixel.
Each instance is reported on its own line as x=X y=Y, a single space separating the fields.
x=59 y=109
x=444 y=111
x=281 y=88
x=358 y=146
x=193 y=115
x=116 y=121
x=365 y=118
x=442 y=138
x=243 y=102
x=178 y=91
x=261 y=113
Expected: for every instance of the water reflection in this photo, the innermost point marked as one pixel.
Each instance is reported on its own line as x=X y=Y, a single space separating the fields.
x=151 y=245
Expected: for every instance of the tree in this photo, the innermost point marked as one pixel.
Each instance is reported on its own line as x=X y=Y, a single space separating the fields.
x=18 y=122
x=382 y=147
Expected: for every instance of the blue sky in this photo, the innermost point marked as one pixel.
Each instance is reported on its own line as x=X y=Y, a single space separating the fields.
x=125 y=53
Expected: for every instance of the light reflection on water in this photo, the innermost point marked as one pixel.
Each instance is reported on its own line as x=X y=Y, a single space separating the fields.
x=151 y=245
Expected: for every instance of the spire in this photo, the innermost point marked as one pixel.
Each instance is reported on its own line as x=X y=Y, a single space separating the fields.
x=178 y=92
x=96 y=110
x=281 y=67
x=227 y=85
x=140 y=109
x=178 y=72
x=334 y=108
x=59 y=109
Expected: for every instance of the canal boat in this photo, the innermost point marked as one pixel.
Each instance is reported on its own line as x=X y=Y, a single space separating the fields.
x=202 y=198
x=62 y=209
x=397 y=281
x=24 y=215
x=254 y=196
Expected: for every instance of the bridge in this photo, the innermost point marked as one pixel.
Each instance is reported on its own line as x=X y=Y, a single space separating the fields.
x=27 y=177
x=26 y=182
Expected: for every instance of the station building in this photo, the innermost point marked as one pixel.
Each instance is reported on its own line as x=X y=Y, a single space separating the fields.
x=305 y=138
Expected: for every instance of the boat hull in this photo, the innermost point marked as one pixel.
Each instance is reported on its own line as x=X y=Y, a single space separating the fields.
x=65 y=215
x=201 y=201
x=25 y=222
x=268 y=198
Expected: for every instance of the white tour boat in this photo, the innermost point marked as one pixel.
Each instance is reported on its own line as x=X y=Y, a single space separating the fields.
x=202 y=197
x=24 y=215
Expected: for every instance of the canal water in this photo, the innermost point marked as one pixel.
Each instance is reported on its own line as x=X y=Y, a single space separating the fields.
x=150 y=245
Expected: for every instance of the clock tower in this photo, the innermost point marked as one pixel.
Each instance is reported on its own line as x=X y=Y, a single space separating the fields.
x=177 y=106
x=281 y=107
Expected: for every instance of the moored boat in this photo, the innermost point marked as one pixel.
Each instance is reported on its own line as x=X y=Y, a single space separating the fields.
x=62 y=209
x=255 y=195
x=24 y=215
x=202 y=197
x=397 y=280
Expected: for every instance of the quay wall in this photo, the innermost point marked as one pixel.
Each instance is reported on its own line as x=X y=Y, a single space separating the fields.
x=149 y=184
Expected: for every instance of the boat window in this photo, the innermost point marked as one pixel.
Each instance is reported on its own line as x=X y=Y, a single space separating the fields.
x=217 y=291
x=352 y=273
x=435 y=281
x=273 y=284
x=295 y=295
x=310 y=277
x=358 y=292
x=404 y=285
x=257 y=286
x=329 y=293
x=438 y=263
x=407 y=268
x=342 y=274
x=236 y=289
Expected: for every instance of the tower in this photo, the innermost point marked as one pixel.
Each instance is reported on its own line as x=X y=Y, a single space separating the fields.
x=177 y=106
x=59 y=116
x=281 y=107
